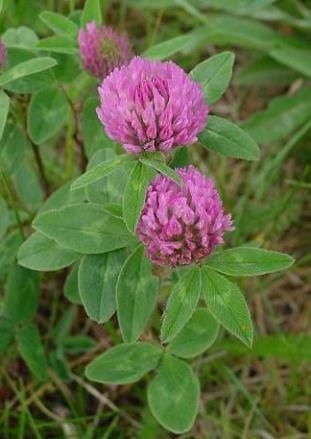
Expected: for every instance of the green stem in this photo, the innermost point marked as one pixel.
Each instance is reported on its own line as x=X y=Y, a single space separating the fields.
x=122 y=13
x=51 y=5
x=40 y=165
x=76 y=133
x=20 y=114
x=12 y=202
x=156 y=27
x=270 y=172
x=69 y=147
x=72 y=5
x=248 y=191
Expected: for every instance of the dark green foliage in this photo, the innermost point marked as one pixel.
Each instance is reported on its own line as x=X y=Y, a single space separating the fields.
x=77 y=292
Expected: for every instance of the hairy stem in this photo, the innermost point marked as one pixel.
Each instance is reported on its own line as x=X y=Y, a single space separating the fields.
x=12 y=202
x=40 y=165
x=76 y=134
x=69 y=148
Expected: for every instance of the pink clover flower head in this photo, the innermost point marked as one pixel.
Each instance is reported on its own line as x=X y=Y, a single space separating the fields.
x=2 y=55
x=181 y=225
x=102 y=49
x=151 y=106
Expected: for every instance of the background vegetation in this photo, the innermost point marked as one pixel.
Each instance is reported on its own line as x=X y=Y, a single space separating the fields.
x=260 y=393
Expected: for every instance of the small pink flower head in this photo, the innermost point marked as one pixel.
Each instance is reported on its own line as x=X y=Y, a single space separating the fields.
x=182 y=225
x=102 y=49
x=151 y=106
x=2 y=55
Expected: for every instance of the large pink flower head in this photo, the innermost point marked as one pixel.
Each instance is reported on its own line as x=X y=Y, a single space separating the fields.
x=151 y=106
x=2 y=55
x=181 y=225
x=102 y=49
